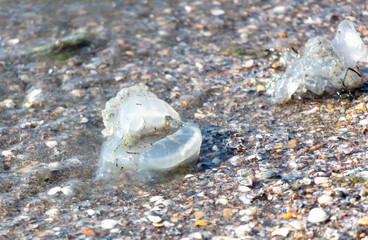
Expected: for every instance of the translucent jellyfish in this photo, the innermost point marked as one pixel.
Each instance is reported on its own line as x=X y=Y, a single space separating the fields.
x=145 y=133
x=347 y=43
x=325 y=66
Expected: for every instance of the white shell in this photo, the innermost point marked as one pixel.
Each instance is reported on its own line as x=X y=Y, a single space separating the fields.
x=317 y=215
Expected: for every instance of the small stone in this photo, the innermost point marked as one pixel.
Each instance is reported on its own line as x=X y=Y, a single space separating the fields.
x=13 y=41
x=234 y=160
x=227 y=212
x=247 y=182
x=67 y=190
x=54 y=165
x=222 y=201
x=243 y=230
x=198 y=215
x=216 y=160
x=217 y=12
x=321 y=180
x=188 y=176
x=296 y=224
x=201 y=223
x=7 y=103
x=7 y=153
x=91 y=212
x=167 y=202
x=87 y=231
x=242 y=172
x=118 y=78
x=154 y=219
x=250 y=211
x=363 y=221
x=317 y=215
x=54 y=191
x=281 y=232
x=78 y=93
x=324 y=199
x=52 y=212
x=244 y=189
x=363 y=193
x=109 y=223
x=115 y=230
x=248 y=63
x=363 y=122
x=156 y=198
x=196 y=235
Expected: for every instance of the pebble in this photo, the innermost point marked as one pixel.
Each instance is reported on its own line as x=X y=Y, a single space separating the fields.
x=91 y=212
x=249 y=211
x=78 y=93
x=156 y=198
x=54 y=165
x=324 y=199
x=363 y=122
x=51 y=144
x=242 y=172
x=87 y=231
x=244 y=189
x=196 y=235
x=154 y=219
x=222 y=201
x=217 y=12
x=296 y=224
x=115 y=230
x=167 y=202
x=109 y=223
x=363 y=221
x=65 y=190
x=7 y=103
x=13 y=41
x=227 y=212
x=32 y=97
x=317 y=215
x=321 y=180
x=248 y=64
x=234 y=160
x=243 y=230
x=7 y=153
x=281 y=232
x=188 y=176
x=54 y=191
x=198 y=215
x=247 y=182
x=52 y=212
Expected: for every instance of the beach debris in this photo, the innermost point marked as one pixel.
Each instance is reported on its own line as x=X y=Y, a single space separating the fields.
x=63 y=48
x=324 y=67
x=145 y=133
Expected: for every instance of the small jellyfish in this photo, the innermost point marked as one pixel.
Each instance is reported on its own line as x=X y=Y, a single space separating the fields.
x=145 y=134
x=347 y=42
x=324 y=67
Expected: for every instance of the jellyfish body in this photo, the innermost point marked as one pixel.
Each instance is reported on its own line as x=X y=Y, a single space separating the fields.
x=145 y=133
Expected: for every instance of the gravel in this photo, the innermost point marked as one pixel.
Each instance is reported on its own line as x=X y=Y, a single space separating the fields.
x=294 y=171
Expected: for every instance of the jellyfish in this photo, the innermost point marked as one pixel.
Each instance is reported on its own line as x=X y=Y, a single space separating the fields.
x=145 y=133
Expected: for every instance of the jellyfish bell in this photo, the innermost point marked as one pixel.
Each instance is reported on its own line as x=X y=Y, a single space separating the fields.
x=145 y=134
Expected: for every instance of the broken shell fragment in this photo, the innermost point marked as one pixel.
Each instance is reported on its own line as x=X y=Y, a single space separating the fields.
x=145 y=133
